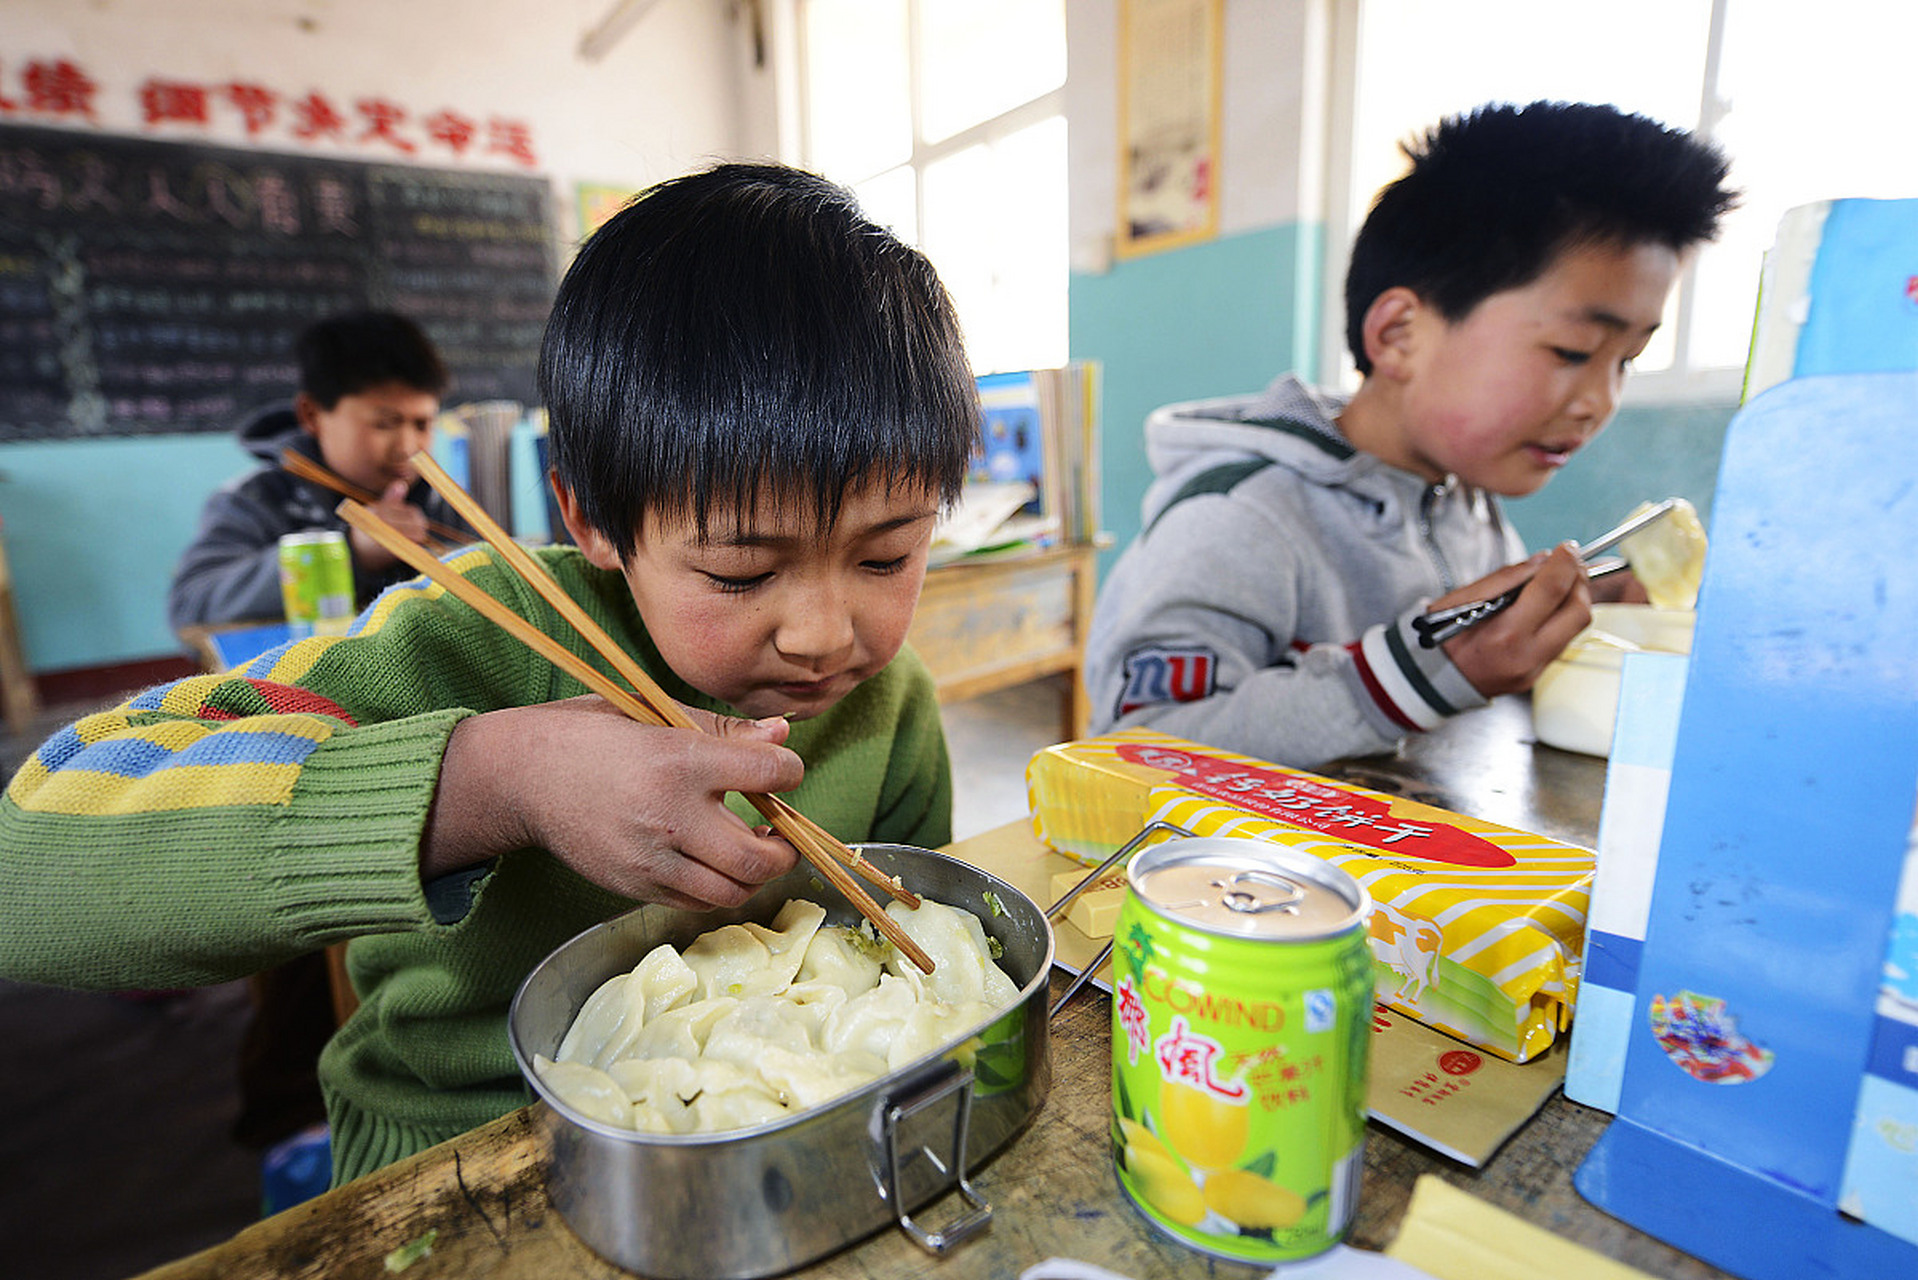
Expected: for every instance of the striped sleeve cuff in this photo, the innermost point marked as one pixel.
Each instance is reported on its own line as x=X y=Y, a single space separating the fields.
x=1409 y=687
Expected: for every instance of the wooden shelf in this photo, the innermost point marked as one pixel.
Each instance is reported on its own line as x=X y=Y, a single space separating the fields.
x=993 y=624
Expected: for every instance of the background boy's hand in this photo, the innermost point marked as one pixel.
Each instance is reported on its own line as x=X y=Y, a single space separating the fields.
x=636 y=809
x=1506 y=652
x=393 y=508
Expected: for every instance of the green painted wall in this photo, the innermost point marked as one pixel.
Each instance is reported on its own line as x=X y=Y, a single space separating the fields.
x=1218 y=318
x=93 y=528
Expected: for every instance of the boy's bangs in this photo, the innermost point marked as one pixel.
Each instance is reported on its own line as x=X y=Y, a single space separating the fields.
x=799 y=437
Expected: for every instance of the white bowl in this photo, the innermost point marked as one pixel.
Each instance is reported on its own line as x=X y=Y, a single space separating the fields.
x=1575 y=699
x=1667 y=630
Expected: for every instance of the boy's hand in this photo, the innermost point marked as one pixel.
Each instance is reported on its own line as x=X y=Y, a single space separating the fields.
x=393 y=508
x=635 y=808
x=1506 y=652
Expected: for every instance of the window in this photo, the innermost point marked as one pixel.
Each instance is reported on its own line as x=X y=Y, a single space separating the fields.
x=1807 y=102
x=947 y=117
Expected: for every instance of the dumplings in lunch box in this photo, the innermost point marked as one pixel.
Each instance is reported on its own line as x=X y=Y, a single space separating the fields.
x=752 y=1023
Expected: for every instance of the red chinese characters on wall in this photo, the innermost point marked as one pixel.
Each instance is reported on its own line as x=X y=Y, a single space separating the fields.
x=58 y=90
x=50 y=87
x=169 y=101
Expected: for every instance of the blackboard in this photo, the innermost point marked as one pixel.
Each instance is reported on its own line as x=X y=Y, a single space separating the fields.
x=153 y=287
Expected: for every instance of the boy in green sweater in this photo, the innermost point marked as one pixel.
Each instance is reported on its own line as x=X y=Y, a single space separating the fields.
x=759 y=403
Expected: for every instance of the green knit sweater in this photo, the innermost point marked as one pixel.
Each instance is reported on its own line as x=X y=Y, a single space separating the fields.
x=213 y=827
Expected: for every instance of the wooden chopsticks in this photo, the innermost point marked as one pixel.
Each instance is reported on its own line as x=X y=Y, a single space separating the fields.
x=646 y=702
x=297 y=463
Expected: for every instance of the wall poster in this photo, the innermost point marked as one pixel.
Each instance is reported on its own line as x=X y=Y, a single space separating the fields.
x=1170 y=54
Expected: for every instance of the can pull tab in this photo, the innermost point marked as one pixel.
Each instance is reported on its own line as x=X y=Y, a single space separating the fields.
x=1251 y=902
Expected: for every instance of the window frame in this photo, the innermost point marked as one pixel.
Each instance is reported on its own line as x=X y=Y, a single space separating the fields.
x=1682 y=383
x=924 y=153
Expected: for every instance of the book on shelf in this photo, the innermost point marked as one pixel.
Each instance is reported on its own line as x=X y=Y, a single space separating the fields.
x=1034 y=481
x=475 y=446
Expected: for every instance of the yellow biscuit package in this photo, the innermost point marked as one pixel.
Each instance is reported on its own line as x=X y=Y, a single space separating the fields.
x=1476 y=929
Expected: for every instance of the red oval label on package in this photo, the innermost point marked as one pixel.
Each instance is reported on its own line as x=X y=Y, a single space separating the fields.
x=1317 y=806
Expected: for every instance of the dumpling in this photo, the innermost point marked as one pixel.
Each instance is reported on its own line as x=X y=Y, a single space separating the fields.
x=753 y=1026
x=753 y=1022
x=729 y=961
x=587 y=1090
x=614 y=1014
x=663 y=980
x=598 y=1020
x=811 y=1003
x=681 y=1032
x=739 y=1107
x=808 y=1077
x=963 y=971
x=673 y=1095
x=750 y=959
x=844 y=957
x=932 y=1025
x=867 y=1023
x=1668 y=556
x=790 y=936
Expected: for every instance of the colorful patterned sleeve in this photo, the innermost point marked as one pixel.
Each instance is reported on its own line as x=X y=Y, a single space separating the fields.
x=209 y=827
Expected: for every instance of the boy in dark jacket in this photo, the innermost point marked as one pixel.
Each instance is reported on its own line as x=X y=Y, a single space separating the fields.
x=370 y=388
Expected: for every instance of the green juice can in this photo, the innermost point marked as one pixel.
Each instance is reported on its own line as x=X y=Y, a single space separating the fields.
x=316 y=582
x=1241 y=1020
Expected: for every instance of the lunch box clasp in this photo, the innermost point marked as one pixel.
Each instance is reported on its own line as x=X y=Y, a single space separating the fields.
x=895 y=1116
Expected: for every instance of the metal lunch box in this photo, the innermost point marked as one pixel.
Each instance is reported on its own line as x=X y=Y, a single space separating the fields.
x=760 y=1201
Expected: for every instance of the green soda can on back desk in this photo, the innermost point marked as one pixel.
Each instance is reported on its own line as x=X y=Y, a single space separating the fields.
x=316 y=582
x=1241 y=1020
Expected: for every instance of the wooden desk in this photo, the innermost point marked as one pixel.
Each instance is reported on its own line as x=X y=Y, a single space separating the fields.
x=984 y=625
x=222 y=646
x=1052 y=1188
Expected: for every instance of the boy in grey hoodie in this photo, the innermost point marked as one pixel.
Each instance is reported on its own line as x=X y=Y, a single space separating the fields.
x=1496 y=296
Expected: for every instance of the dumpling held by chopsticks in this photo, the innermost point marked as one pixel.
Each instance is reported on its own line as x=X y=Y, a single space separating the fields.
x=1668 y=556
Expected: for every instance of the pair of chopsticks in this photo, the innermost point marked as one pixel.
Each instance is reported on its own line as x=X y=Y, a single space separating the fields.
x=1435 y=628
x=645 y=702
x=297 y=463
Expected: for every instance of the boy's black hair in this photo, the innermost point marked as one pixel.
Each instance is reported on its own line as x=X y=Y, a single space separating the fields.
x=744 y=332
x=1495 y=194
x=346 y=354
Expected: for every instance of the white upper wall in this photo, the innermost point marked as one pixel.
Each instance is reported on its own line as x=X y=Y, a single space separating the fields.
x=677 y=89
x=680 y=87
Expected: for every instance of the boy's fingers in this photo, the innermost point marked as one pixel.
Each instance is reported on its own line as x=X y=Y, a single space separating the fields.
x=395 y=492
x=1492 y=584
x=744 y=758
x=733 y=728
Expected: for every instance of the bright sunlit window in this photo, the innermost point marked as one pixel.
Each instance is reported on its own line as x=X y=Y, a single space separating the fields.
x=947 y=117
x=1807 y=101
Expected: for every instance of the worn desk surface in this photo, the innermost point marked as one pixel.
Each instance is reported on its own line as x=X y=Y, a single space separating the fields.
x=1052 y=1188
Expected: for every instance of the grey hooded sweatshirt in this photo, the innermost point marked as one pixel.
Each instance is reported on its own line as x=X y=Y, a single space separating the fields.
x=1266 y=605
